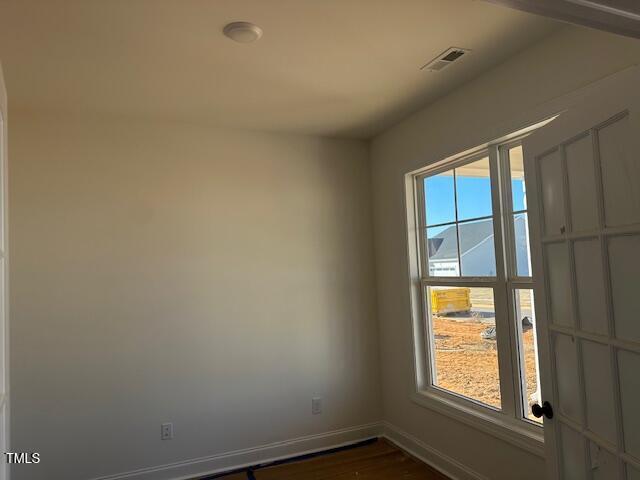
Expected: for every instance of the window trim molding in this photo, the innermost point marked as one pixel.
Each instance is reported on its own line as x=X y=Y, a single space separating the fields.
x=488 y=421
x=498 y=423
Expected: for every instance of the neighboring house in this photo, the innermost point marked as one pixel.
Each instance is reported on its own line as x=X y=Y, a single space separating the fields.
x=477 y=251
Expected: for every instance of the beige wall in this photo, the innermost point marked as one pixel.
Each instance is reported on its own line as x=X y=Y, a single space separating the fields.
x=216 y=279
x=518 y=92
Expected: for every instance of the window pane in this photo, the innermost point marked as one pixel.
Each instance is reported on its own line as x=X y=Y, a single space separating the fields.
x=526 y=327
x=442 y=245
x=440 y=199
x=477 y=250
x=473 y=189
x=522 y=250
x=464 y=342
x=518 y=192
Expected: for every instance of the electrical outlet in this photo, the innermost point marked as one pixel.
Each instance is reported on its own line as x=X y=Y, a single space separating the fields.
x=166 y=431
x=316 y=405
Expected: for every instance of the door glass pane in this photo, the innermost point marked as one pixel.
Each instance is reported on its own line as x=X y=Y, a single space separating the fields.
x=598 y=385
x=620 y=165
x=439 y=197
x=522 y=246
x=464 y=342
x=526 y=325
x=442 y=247
x=518 y=190
x=473 y=189
x=624 y=264
x=629 y=366
x=582 y=184
x=559 y=287
x=604 y=465
x=632 y=473
x=552 y=193
x=592 y=309
x=573 y=454
x=566 y=364
x=477 y=249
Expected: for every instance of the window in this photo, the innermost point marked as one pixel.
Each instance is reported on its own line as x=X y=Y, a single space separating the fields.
x=476 y=286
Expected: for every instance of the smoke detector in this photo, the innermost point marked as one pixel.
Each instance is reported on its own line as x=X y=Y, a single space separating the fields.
x=242 y=32
x=445 y=59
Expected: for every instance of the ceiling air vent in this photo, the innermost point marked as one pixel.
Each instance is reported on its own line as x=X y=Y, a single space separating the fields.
x=445 y=59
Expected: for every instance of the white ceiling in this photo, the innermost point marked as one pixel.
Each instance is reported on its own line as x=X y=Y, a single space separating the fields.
x=329 y=67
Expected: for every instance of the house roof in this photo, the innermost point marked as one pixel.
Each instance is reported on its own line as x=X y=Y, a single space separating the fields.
x=443 y=246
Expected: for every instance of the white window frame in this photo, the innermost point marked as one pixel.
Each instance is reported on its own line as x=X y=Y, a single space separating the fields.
x=507 y=423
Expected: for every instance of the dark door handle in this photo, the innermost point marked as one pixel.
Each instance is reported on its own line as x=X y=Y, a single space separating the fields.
x=546 y=410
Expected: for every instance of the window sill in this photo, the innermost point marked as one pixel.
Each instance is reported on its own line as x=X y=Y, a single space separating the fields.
x=515 y=432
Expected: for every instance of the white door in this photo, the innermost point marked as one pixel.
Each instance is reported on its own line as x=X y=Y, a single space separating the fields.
x=584 y=188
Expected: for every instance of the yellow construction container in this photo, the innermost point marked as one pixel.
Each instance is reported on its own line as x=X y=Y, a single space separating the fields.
x=450 y=300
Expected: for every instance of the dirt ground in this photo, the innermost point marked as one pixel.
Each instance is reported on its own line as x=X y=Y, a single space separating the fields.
x=468 y=364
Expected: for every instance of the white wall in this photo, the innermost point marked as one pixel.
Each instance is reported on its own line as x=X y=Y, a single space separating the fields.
x=216 y=279
x=499 y=102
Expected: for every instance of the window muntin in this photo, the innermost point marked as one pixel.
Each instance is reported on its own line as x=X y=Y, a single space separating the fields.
x=480 y=242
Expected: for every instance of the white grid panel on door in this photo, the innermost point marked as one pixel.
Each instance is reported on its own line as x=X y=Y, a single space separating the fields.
x=592 y=260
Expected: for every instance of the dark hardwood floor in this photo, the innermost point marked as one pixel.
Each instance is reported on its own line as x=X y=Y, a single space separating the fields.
x=378 y=460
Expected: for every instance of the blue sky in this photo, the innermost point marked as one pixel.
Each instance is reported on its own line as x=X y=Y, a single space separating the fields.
x=474 y=198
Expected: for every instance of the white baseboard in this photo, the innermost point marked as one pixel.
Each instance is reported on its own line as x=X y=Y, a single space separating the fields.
x=237 y=459
x=429 y=455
